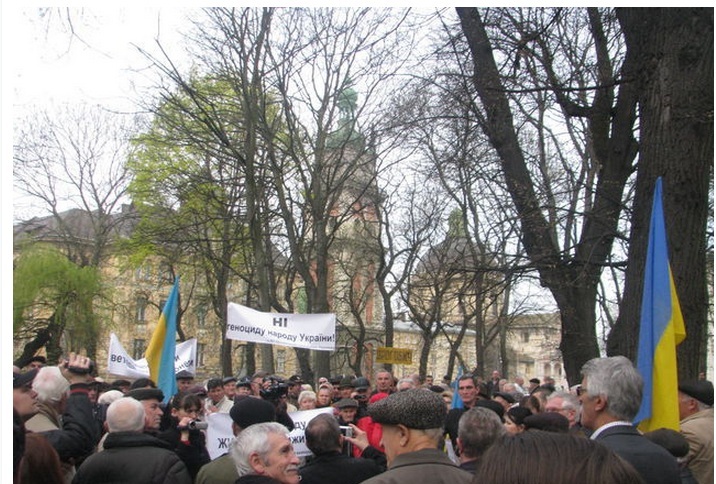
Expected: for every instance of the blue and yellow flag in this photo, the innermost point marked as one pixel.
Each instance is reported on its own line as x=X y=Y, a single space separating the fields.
x=661 y=330
x=456 y=399
x=161 y=351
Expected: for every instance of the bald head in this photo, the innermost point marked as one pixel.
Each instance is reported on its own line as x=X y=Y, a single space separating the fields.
x=125 y=415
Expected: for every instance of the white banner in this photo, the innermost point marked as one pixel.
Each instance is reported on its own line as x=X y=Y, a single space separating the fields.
x=121 y=364
x=219 y=434
x=312 y=331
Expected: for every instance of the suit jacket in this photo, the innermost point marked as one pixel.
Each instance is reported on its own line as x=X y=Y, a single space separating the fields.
x=655 y=464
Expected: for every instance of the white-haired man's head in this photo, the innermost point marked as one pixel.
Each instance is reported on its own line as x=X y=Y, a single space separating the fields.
x=125 y=415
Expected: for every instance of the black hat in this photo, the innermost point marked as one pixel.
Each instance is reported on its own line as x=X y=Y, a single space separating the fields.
x=146 y=394
x=416 y=408
x=248 y=410
x=346 y=382
x=228 y=379
x=518 y=414
x=244 y=382
x=505 y=396
x=295 y=380
x=185 y=375
x=361 y=383
x=492 y=405
x=213 y=383
x=38 y=358
x=670 y=439
x=547 y=421
x=22 y=379
x=335 y=380
x=346 y=403
x=535 y=380
x=701 y=390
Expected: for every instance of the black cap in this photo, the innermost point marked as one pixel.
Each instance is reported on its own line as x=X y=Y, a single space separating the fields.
x=229 y=379
x=295 y=380
x=701 y=390
x=146 y=394
x=361 y=383
x=248 y=410
x=346 y=382
x=22 y=379
x=244 y=382
x=505 y=396
x=547 y=421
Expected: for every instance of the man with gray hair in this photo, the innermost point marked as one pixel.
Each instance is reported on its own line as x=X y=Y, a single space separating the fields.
x=406 y=383
x=611 y=394
x=568 y=405
x=412 y=423
x=478 y=429
x=130 y=454
x=263 y=453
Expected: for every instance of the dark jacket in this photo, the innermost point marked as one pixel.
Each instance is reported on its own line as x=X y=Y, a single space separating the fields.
x=194 y=454
x=79 y=433
x=133 y=458
x=256 y=479
x=655 y=464
x=326 y=468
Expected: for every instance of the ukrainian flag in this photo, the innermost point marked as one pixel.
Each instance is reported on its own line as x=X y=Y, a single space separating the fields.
x=661 y=330
x=161 y=351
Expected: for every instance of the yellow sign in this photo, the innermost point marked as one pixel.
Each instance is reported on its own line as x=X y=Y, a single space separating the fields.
x=394 y=356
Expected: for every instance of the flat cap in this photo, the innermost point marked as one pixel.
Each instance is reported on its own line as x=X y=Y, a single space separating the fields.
x=244 y=382
x=248 y=410
x=229 y=379
x=295 y=380
x=505 y=396
x=198 y=390
x=701 y=390
x=185 y=375
x=23 y=379
x=346 y=382
x=346 y=403
x=146 y=394
x=416 y=409
x=361 y=383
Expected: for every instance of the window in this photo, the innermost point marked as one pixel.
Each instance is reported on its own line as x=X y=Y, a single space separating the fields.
x=201 y=315
x=281 y=361
x=525 y=336
x=200 y=352
x=138 y=348
x=141 y=309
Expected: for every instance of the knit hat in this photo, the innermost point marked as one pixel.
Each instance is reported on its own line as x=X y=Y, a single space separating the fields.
x=416 y=409
x=146 y=394
x=248 y=410
x=701 y=390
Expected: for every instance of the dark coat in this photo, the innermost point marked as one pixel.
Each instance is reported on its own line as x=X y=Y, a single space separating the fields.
x=655 y=464
x=194 y=454
x=256 y=479
x=427 y=465
x=79 y=433
x=133 y=458
x=326 y=468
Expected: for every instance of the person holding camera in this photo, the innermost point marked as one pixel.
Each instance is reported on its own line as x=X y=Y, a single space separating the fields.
x=185 y=435
x=276 y=393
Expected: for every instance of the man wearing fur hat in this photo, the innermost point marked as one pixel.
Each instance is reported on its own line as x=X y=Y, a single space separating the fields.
x=696 y=413
x=412 y=424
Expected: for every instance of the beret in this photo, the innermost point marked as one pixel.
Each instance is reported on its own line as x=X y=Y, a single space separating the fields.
x=146 y=394
x=248 y=410
x=22 y=379
x=701 y=390
x=417 y=408
x=547 y=421
x=346 y=403
x=505 y=396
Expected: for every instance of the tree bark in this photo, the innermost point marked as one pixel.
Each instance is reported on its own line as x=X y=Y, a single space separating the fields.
x=674 y=47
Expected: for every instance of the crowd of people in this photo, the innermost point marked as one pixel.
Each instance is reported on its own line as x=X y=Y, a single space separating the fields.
x=72 y=427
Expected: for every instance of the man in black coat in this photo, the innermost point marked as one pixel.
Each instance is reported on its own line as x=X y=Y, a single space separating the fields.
x=129 y=454
x=324 y=439
x=611 y=393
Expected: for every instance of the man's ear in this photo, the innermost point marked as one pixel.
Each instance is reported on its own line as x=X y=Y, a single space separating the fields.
x=256 y=463
x=600 y=403
x=459 y=445
x=403 y=434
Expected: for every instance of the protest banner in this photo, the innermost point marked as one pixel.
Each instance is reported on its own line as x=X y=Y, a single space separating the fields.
x=312 y=331
x=121 y=364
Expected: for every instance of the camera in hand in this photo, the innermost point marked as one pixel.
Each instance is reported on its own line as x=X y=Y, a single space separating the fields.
x=346 y=431
x=276 y=390
x=82 y=371
x=197 y=425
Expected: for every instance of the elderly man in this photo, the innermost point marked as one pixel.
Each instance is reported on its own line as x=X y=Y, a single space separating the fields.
x=129 y=454
x=611 y=394
x=151 y=399
x=246 y=411
x=412 y=424
x=263 y=453
x=477 y=431
x=568 y=405
x=696 y=413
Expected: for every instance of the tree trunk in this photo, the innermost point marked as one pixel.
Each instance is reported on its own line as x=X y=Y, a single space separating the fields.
x=675 y=51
